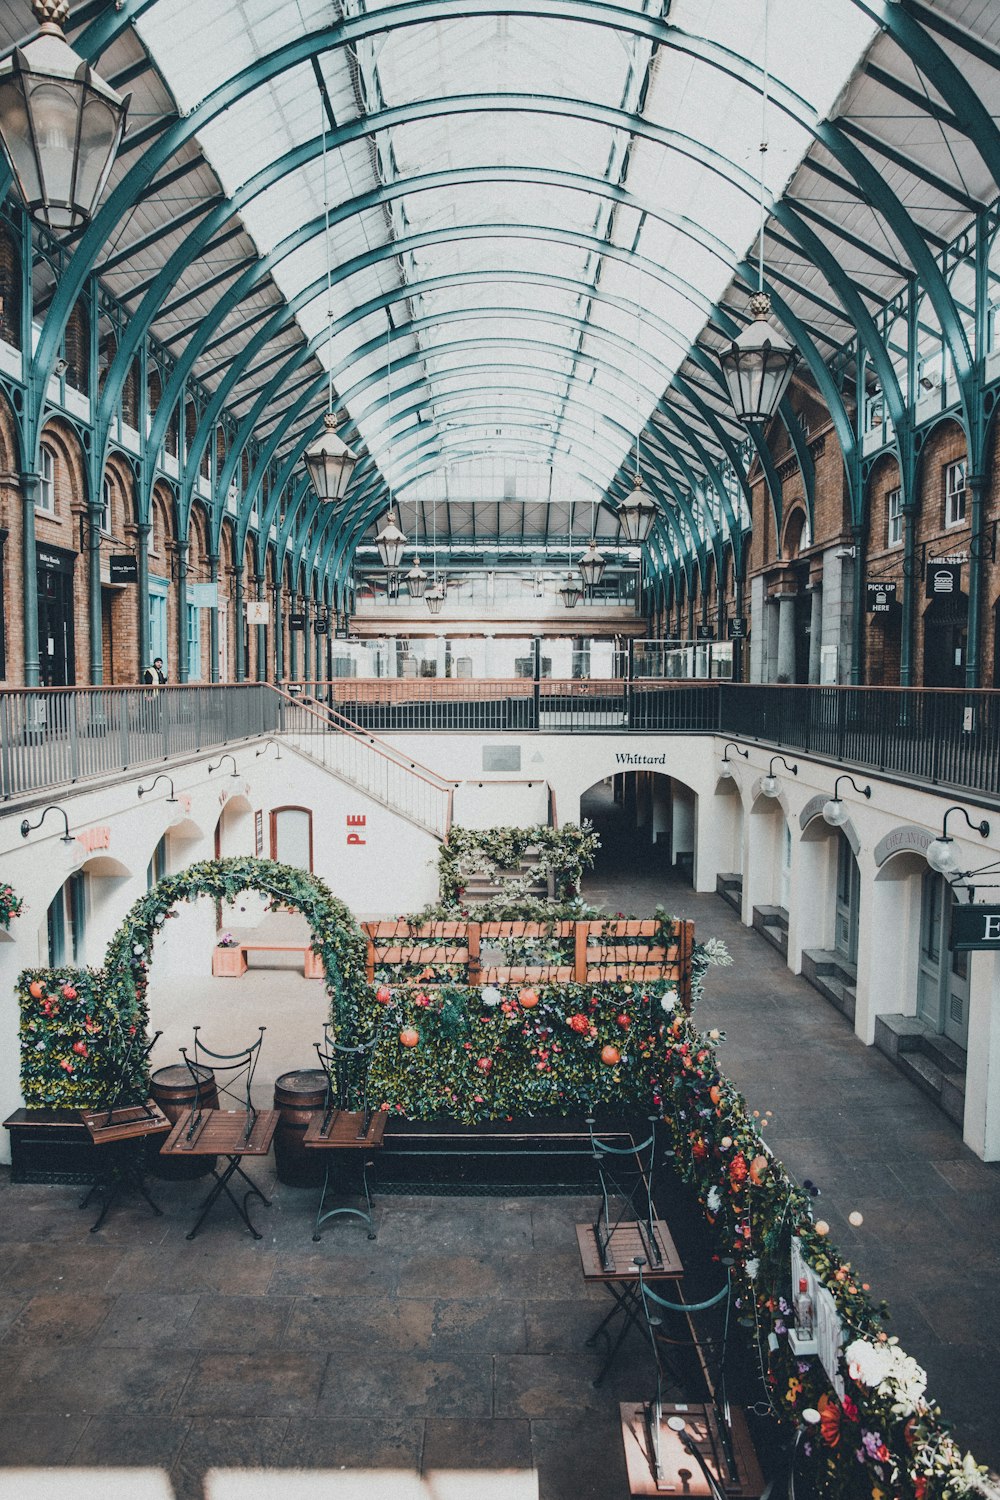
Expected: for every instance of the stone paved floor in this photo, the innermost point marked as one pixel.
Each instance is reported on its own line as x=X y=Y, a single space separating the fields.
x=455 y=1342
x=845 y=1118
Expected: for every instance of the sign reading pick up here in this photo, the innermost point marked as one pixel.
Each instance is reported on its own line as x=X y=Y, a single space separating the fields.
x=974 y=928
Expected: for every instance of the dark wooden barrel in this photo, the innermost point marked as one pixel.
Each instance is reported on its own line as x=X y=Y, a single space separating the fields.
x=297 y=1095
x=175 y=1091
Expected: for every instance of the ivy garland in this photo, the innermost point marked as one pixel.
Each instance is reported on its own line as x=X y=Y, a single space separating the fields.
x=496 y=853
x=11 y=905
x=112 y=1000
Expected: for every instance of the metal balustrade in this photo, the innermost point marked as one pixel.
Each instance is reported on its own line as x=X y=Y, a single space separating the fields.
x=51 y=737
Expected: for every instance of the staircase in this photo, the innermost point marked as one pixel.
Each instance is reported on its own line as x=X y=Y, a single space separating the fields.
x=538 y=886
x=935 y=1064
x=404 y=786
x=772 y=923
x=730 y=888
x=835 y=978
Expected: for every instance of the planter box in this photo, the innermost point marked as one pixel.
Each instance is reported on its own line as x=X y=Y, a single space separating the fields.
x=228 y=963
x=51 y=1145
x=314 y=966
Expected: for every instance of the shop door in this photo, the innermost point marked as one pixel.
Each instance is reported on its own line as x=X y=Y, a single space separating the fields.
x=943 y=977
x=291 y=836
x=56 y=645
x=945 y=638
x=848 y=902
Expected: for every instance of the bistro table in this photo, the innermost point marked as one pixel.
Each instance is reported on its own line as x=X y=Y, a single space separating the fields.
x=232 y=1133
x=609 y=1259
x=121 y=1133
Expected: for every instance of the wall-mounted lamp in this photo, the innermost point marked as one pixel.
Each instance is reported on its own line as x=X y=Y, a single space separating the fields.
x=769 y=783
x=60 y=367
x=142 y=790
x=725 y=764
x=218 y=765
x=834 y=811
x=66 y=836
x=263 y=749
x=940 y=853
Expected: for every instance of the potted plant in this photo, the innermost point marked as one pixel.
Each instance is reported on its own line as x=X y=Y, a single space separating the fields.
x=228 y=958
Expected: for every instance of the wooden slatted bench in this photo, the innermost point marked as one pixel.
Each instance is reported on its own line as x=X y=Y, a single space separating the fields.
x=231 y=963
x=622 y=949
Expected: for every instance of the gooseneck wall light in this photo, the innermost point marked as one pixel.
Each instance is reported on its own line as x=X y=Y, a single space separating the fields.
x=769 y=783
x=218 y=764
x=141 y=791
x=60 y=124
x=941 y=853
x=66 y=836
x=725 y=764
x=834 y=809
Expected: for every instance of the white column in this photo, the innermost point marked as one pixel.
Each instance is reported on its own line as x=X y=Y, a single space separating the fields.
x=786 y=638
x=981 y=1129
x=815 y=631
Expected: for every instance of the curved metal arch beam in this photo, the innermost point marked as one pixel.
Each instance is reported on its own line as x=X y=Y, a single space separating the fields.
x=303 y=49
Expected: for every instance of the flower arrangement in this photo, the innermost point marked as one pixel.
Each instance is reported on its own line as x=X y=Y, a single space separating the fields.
x=226 y=941
x=11 y=905
x=73 y=1048
x=496 y=853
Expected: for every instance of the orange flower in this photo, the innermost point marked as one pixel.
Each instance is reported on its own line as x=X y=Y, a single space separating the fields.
x=829 y=1421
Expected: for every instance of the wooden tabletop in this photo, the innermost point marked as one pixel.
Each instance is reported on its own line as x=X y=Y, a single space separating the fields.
x=220 y=1132
x=679 y=1471
x=627 y=1241
x=127 y=1123
x=342 y=1131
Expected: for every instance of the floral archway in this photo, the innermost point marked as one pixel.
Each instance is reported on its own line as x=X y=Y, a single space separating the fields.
x=78 y=1026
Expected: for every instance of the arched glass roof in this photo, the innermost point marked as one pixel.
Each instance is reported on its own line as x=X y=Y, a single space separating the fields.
x=517 y=235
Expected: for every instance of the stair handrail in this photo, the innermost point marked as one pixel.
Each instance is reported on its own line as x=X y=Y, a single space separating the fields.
x=329 y=718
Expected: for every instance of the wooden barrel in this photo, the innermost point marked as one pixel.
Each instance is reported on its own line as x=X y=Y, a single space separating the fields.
x=297 y=1095
x=176 y=1092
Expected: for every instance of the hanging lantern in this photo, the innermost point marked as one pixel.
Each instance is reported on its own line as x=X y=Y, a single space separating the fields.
x=330 y=463
x=592 y=565
x=60 y=124
x=416 y=580
x=391 y=542
x=637 y=513
x=434 y=598
x=571 y=591
x=758 y=365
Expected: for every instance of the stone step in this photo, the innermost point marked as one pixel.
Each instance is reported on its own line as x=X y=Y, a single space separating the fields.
x=945 y=1053
x=776 y=936
x=777 y=916
x=924 y=1073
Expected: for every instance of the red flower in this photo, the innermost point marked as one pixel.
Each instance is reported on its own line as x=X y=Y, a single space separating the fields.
x=738 y=1169
x=579 y=1023
x=850 y=1410
x=829 y=1421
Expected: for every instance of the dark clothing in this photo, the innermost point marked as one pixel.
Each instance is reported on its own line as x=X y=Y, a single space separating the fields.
x=154 y=677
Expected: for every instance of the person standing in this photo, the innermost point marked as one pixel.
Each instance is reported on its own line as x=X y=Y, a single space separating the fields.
x=155 y=676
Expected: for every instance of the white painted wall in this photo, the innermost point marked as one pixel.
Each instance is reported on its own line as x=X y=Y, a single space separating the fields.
x=499 y=803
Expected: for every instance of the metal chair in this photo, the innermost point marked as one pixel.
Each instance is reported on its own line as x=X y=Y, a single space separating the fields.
x=625 y=1178
x=121 y=1127
x=346 y=1124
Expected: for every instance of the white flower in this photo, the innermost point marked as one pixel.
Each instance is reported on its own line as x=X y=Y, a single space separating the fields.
x=714 y=1200
x=886 y=1369
x=668 y=1001
x=137 y=949
x=751 y=1268
x=491 y=995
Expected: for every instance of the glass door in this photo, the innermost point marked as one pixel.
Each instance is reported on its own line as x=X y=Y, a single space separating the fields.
x=848 y=901
x=943 y=976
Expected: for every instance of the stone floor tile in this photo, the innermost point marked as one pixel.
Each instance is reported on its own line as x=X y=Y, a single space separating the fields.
x=356 y=1324
x=242 y=1266
x=391 y=1442
x=238 y=1324
x=61 y=1318
x=149 y=1318
x=142 y=1442
x=417 y=1385
x=225 y=1443
x=38 y=1440
x=78 y=1267
x=579 y=1457
x=504 y=1443
x=85 y=1382
x=550 y=1385
x=271 y=1383
x=465 y=1276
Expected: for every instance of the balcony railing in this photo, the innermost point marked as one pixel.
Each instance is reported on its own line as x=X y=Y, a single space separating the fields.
x=52 y=737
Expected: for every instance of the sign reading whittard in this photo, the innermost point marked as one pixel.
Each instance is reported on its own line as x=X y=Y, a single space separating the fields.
x=975 y=928
x=625 y=759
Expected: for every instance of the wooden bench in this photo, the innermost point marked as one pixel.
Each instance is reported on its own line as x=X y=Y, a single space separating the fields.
x=231 y=963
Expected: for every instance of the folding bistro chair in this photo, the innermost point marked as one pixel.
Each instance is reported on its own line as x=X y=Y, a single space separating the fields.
x=625 y=1178
x=231 y=1133
x=121 y=1128
x=346 y=1126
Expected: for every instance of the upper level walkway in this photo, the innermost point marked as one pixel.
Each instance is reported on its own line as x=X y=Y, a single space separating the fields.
x=49 y=738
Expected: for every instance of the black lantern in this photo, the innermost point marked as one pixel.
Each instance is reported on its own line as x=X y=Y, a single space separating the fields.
x=637 y=514
x=61 y=125
x=416 y=580
x=391 y=542
x=592 y=565
x=571 y=591
x=330 y=463
x=758 y=365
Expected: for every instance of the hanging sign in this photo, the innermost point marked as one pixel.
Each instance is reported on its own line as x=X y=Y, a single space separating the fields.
x=203 y=595
x=881 y=596
x=944 y=580
x=124 y=569
x=706 y=633
x=296 y=622
x=974 y=929
x=341 y=633
x=738 y=628
x=322 y=624
x=258 y=612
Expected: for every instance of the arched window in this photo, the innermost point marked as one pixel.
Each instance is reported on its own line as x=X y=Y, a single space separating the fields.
x=291 y=836
x=46 y=502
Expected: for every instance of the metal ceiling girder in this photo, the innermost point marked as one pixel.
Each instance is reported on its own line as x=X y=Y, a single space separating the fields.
x=872 y=142
x=413 y=12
